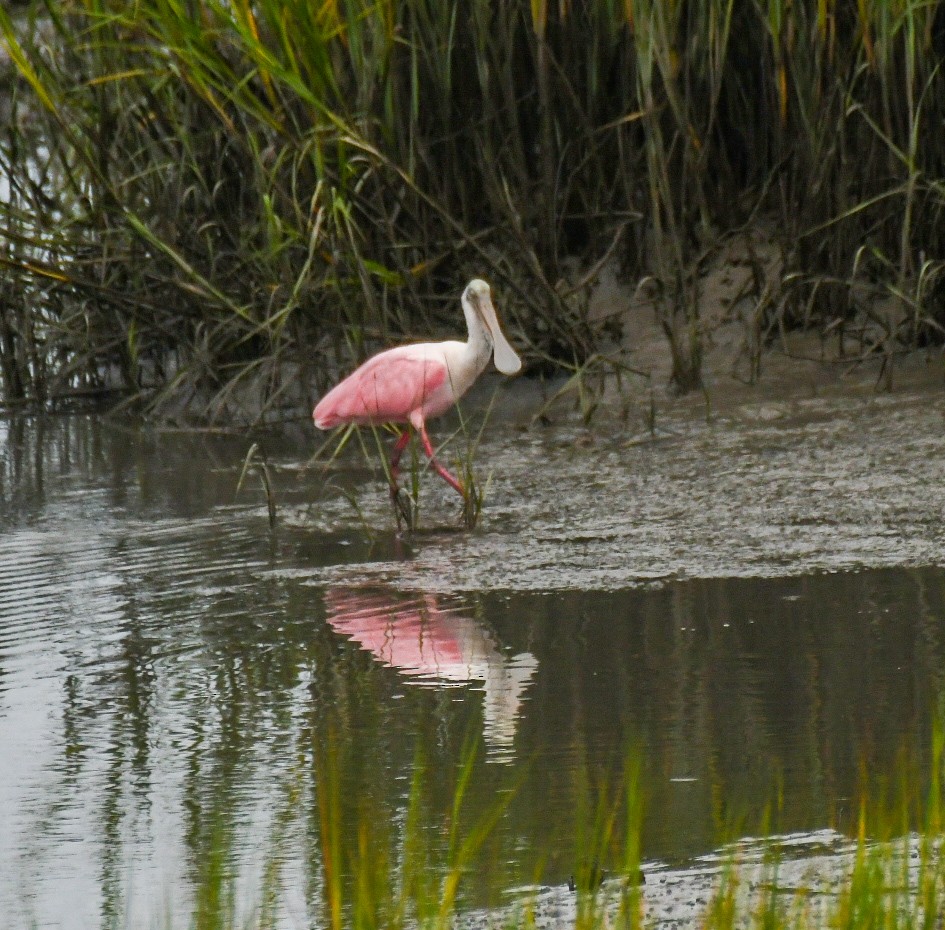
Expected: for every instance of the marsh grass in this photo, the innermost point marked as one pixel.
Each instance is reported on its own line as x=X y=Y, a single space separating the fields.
x=377 y=875
x=256 y=460
x=206 y=201
x=374 y=866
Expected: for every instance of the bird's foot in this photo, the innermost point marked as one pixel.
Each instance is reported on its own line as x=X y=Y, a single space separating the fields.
x=472 y=506
x=405 y=510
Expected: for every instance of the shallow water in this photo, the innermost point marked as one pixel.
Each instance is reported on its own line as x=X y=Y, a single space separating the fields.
x=754 y=606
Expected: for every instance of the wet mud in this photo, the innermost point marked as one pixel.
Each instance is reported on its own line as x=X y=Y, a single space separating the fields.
x=761 y=490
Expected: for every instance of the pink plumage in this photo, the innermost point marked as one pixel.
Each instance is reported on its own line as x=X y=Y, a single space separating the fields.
x=387 y=388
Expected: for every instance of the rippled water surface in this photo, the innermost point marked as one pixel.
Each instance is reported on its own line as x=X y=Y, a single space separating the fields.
x=173 y=677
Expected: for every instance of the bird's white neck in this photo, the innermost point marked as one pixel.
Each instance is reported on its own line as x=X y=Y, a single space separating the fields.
x=479 y=343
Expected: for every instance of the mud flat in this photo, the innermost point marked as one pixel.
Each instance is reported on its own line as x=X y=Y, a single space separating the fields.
x=760 y=488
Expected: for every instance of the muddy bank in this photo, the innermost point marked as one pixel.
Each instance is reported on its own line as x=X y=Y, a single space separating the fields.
x=759 y=489
x=825 y=459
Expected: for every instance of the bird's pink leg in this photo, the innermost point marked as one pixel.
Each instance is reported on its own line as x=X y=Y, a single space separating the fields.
x=395 y=455
x=401 y=508
x=440 y=470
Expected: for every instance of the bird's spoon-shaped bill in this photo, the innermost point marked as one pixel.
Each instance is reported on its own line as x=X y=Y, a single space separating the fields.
x=505 y=357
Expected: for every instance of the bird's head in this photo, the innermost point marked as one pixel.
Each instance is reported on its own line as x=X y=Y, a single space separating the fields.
x=477 y=302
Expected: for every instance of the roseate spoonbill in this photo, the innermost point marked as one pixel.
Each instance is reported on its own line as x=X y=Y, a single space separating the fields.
x=411 y=383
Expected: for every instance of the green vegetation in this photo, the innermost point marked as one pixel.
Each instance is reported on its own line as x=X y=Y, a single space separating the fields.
x=204 y=195
x=378 y=868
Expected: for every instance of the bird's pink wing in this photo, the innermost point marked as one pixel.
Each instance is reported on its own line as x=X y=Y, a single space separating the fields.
x=385 y=389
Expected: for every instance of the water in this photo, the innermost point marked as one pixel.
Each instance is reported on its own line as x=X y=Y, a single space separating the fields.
x=171 y=676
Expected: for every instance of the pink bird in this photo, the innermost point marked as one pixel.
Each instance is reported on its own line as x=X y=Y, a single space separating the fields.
x=411 y=383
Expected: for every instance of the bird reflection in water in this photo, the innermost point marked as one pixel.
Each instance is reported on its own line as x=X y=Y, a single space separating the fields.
x=436 y=646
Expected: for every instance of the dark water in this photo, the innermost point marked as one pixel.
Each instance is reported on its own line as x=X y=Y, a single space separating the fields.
x=173 y=680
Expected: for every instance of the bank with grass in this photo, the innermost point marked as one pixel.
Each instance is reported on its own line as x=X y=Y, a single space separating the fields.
x=202 y=197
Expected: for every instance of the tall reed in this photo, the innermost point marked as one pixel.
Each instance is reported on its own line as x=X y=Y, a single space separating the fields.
x=205 y=195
